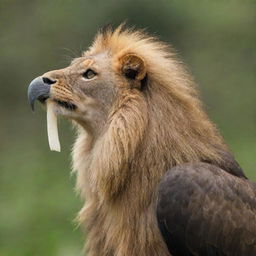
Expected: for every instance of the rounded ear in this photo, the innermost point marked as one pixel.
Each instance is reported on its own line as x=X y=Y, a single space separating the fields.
x=133 y=67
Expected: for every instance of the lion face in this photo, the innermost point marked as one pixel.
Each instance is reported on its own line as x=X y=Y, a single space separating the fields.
x=85 y=90
x=88 y=89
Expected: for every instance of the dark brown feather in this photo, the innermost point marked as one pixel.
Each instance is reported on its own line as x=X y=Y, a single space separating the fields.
x=204 y=211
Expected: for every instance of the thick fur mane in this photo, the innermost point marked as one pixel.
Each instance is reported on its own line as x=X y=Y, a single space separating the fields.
x=148 y=131
x=171 y=95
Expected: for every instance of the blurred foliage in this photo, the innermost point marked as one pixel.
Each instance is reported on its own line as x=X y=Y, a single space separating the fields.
x=217 y=41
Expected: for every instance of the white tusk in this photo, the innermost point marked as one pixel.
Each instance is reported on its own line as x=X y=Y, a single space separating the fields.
x=52 y=128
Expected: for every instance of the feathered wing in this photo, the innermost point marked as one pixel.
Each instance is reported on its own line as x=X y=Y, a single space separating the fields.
x=203 y=210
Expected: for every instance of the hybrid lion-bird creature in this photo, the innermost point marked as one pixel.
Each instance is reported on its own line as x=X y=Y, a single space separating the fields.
x=156 y=177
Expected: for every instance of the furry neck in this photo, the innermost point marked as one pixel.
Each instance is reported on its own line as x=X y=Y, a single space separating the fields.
x=119 y=174
x=145 y=136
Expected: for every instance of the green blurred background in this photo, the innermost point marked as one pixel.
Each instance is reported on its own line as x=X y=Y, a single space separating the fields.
x=217 y=41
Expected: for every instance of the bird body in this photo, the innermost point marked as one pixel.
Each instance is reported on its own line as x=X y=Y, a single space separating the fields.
x=204 y=210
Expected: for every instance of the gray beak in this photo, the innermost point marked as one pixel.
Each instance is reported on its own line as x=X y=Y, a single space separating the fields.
x=39 y=89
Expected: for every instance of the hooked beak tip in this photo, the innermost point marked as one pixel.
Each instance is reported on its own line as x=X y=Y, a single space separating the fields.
x=38 y=90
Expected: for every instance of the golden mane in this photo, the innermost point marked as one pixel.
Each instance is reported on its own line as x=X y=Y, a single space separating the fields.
x=147 y=133
x=169 y=86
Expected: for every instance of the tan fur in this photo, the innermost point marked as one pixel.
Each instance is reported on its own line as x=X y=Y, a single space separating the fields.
x=147 y=133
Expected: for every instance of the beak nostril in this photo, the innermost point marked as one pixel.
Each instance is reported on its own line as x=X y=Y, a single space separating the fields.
x=48 y=80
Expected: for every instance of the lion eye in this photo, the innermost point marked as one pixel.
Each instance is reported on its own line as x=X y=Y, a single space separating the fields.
x=89 y=74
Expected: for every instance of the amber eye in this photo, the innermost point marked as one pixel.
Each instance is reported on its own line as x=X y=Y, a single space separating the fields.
x=89 y=74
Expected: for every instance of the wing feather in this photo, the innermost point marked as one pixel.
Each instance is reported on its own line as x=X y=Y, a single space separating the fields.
x=203 y=210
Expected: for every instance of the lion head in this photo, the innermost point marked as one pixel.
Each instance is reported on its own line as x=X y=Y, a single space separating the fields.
x=126 y=93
